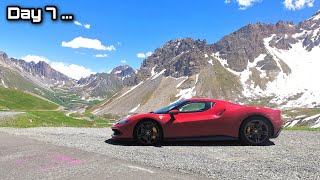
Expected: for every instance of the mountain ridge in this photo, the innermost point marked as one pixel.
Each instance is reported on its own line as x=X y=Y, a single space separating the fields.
x=250 y=64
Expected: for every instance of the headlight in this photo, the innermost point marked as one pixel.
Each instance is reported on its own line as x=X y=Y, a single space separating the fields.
x=122 y=122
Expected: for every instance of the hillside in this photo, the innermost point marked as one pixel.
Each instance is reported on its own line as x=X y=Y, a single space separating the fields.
x=41 y=79
x=16 y=100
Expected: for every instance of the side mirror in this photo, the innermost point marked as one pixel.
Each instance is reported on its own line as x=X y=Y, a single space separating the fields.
x=173 y=112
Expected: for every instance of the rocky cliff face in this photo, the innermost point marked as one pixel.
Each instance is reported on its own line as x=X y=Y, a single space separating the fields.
x=176 y=58
x=103 y=85
x=246 y=44
x=44 y=70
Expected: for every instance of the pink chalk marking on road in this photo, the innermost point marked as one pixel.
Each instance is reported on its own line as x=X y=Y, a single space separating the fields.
x=50 y=162
x=20 y=161
x=62 y=159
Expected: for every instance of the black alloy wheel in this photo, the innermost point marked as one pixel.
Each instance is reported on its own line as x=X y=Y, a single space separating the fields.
x=255 y=131
x=148 y=133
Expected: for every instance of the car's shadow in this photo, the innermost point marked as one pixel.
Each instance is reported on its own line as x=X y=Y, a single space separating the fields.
x=182 y=143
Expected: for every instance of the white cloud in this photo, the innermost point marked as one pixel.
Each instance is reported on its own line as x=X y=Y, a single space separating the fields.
x=144 y=55
x=77 y=23
x=243 y=4
x=74 y=71
x=101 y=55
x=297 y=4
x=149 y=53
x=87 y=26
x=80 y=42
x=34 y=58
x=124 y=61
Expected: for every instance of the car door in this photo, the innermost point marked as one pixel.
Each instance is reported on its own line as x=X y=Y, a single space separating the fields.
x=196 y=119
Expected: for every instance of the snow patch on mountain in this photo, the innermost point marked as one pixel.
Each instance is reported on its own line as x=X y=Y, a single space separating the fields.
x=311 y=117
x=315 y=17
x=293 y=123
x=249 y=89
x=317 y=124
x=197 y=79
x=134 y=109
x=186 y=93
x=152 y=71
x=181 y=82
x=4 y=85
x=304 y=68
x=158 y=74
x=132 y=88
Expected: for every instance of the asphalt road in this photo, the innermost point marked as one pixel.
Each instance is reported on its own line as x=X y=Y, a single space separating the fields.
x=294 y=155
x=24 y=158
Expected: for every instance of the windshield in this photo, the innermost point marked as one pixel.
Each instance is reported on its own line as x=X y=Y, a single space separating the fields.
x=168 y=108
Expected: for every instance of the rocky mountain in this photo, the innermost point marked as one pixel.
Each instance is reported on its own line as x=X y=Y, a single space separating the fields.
x=42 y=80
x=14 y=76
x=261 y=64
x=179 y=58
x=271 y=60
x=43 y=70
x=103 y=85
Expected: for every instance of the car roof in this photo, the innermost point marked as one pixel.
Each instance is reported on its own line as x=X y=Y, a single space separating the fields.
x=204 y=100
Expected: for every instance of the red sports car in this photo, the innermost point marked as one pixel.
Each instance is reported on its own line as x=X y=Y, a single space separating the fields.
x=202 y=118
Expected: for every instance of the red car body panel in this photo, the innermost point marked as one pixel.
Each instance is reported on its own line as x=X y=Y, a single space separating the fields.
x=223 y=119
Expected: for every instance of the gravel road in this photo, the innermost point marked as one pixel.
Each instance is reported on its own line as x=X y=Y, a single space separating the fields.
x=294 y=155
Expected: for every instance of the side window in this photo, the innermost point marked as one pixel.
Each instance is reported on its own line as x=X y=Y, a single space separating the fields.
x=195 y=107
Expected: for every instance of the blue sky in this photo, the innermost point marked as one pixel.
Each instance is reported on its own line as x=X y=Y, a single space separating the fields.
x=128 y=28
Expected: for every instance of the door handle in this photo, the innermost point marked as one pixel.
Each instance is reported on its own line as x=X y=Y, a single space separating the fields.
x=221 y=112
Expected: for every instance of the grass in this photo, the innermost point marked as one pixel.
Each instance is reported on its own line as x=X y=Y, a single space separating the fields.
x=41 y=113
x=70 y=99
x=16 y=100
x=52 y=119
x=219 y=82
x=263 y=102
x=301 y=128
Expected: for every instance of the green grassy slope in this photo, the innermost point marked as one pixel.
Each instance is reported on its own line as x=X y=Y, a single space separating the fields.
x=52 y=119
x=40 y=113
x=16 y=100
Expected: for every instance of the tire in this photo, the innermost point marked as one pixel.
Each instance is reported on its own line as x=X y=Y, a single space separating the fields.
x=148 y=133
x=255 y=131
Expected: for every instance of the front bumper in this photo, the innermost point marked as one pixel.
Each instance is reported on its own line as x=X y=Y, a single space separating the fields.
x=277 y=133
x=122 y=132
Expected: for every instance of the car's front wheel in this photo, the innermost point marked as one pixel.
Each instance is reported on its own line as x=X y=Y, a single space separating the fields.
x=148 y=132
x=255 y=131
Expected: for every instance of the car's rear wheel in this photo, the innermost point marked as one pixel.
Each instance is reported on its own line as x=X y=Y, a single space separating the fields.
x=255 y=131
x=148 y=133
